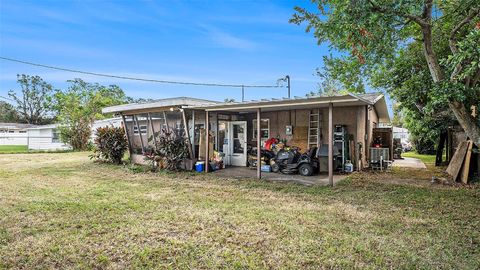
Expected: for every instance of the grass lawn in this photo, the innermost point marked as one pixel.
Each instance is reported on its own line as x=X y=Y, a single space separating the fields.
x=425 y=158
x=60 y=210
x=4 y=149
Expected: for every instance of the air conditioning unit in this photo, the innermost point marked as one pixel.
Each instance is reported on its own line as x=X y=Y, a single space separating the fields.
x=377 y=154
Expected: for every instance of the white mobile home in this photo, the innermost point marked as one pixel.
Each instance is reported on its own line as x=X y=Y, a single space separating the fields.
x=45 y=137
x=14 y=133
x=109 y=122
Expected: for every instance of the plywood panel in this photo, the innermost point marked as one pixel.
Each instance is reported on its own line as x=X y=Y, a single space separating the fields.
x=455 y=165
x=466 y=164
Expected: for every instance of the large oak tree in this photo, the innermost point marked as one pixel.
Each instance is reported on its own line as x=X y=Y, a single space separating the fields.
x=373 y=33
x=33 y=101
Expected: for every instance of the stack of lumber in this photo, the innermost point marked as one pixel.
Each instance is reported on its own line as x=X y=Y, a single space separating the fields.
x=459 y=167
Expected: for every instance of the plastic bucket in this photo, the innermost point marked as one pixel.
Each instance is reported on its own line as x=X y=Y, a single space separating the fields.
x=200 y=166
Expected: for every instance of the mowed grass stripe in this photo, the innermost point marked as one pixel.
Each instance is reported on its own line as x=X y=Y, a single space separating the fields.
x=63 y=211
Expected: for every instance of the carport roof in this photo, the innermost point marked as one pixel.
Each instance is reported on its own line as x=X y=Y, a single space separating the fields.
x=375 y=99
x=160 y=103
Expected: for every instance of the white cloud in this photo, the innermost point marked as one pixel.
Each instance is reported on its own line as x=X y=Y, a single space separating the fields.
x=227 y=40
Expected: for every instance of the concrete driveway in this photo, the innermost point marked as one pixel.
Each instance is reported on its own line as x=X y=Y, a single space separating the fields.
x=407 y=162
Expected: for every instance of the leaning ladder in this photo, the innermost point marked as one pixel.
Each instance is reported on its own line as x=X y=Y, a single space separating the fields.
x=314 y=128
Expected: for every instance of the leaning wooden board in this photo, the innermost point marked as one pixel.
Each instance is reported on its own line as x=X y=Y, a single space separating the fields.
x=456 y=163
x=466 y=164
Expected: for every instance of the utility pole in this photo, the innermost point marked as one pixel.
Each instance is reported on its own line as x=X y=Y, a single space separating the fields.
x=243 y=94
x=288 y=84
x=286 y=79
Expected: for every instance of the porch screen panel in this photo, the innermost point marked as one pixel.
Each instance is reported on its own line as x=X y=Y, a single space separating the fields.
x=175 y=122
x=133 y=135
x=158 y=122
x=146 y=132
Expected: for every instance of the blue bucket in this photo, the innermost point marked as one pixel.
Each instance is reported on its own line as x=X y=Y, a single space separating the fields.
x=199 y=166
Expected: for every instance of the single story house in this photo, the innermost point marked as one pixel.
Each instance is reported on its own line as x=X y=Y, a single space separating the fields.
x=45 y=138
x=344 y=124
x=111 y=122
x=14 y=133
x=401 y=133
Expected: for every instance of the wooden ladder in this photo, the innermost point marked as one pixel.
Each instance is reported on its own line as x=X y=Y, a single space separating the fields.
x=314 y=128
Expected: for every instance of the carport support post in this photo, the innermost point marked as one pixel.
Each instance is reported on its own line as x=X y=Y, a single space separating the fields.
x=187 y=133
x=207 y=131
x=259 y=147
x=153 y=131
x=193 y=133
x=129 y=141
x=139 y=133
x=330 y=144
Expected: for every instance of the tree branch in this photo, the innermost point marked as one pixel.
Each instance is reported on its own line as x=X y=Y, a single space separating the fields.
x=419 y=20
x=427 y=10
x=452 y=41
x=475 y=79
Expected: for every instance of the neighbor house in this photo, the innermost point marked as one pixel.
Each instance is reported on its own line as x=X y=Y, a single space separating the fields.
x=344 y=123
x=46 y=138
x=108 y=122
x=14 y=133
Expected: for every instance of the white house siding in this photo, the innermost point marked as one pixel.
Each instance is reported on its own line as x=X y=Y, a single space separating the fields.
x=13 y=138
x=43 y=139
x=116 y=122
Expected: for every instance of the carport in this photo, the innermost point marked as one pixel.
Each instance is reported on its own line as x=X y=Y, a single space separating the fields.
x=361 y=108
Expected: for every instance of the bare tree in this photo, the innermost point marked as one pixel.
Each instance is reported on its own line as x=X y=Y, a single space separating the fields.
x=33 y=101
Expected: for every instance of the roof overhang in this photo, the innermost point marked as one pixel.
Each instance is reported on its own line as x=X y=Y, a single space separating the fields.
x=160 y=105
x=50 y=126
x=382 y=110
x=291 y=104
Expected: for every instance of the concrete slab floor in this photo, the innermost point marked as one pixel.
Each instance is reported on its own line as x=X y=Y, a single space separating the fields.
x=247 y=173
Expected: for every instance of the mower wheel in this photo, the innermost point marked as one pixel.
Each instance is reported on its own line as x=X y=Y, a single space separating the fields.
x=275 y=167
x=305 y=169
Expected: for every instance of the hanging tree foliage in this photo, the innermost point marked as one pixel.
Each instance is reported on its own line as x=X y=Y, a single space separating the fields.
x=375 y=34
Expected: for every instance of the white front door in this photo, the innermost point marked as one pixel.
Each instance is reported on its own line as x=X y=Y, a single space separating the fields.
x=238 y=143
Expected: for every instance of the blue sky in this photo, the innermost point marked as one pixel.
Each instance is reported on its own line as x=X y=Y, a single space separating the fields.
x=240 y=42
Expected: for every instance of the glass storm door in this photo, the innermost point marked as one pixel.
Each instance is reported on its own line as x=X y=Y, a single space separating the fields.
x=238 y=143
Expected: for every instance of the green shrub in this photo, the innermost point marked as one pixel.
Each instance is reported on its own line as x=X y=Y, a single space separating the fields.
x=76 y=134
x=110 y=144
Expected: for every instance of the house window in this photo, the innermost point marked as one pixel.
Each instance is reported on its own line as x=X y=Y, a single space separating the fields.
x=11 y=131
x=264 y=129
x=143 y=129
x=55 y=136
x=23 y=131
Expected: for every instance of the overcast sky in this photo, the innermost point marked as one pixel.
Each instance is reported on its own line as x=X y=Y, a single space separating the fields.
x=239 y=42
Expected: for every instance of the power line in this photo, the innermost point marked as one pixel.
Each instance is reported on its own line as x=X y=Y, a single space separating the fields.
x=138 y=79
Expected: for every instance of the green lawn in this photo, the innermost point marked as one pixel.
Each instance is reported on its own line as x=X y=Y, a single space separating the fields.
x=424 y=158
x=13 y=149
x=64 y=211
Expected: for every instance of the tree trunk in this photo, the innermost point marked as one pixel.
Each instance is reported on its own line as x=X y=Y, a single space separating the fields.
x=430 y=56
x=468 y=123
